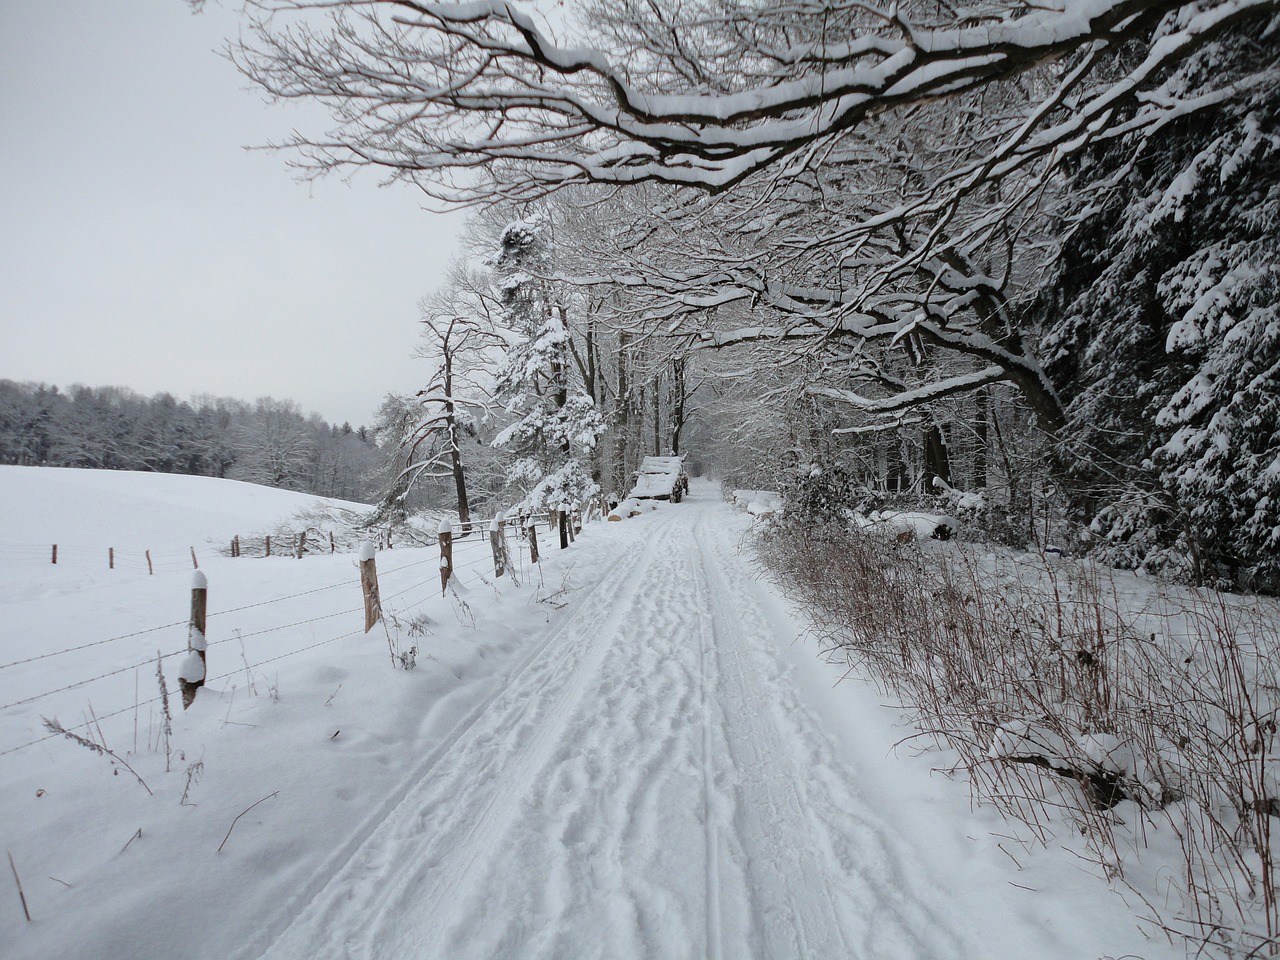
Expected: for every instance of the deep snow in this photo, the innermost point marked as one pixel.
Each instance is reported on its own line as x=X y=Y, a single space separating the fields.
x=632 y=754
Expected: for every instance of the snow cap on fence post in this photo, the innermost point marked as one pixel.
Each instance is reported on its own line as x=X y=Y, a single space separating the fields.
x=531 y=529
x=190 y=675
x=194 y=668
x=446 y=554
x=498 y=545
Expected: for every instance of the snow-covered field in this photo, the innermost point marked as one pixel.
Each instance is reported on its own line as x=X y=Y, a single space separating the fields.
x=628 y=755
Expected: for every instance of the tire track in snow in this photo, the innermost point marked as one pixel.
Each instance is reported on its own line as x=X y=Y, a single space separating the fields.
x=612 y=817
x=830 y=877
x=706 y=650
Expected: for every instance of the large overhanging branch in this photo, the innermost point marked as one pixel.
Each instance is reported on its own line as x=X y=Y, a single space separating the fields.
x=424 y=89
x=475 y=102
x=909 y=399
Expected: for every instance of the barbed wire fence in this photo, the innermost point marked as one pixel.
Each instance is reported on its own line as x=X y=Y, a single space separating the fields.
x=476 y=551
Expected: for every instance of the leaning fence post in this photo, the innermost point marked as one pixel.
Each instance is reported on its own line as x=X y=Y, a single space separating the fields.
x=151 y=571
x=499 y=546
x=195 y=666
x=369 y=585
x=194 y=564
x=532 y=529
x=446 y=554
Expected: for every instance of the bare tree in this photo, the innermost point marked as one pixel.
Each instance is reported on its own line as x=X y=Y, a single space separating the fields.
x=273 y=445
x=461 y=342
x=782 y=108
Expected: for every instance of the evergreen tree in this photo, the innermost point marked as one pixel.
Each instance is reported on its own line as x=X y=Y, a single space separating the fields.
x=556 y=420
x=1164 y=328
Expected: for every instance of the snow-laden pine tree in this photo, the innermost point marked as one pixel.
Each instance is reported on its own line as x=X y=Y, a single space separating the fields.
x=557 y=423
x=1165 y=328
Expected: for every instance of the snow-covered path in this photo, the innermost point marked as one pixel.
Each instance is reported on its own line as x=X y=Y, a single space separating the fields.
x=645 y=785
x=626 y=755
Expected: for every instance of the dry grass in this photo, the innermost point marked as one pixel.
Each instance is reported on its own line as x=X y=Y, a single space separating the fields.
x=1071 y=705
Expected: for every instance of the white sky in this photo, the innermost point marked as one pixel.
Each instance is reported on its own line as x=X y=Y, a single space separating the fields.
x=142 y=246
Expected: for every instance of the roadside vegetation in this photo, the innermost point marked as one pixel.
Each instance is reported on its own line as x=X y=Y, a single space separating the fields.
x=1136 y=717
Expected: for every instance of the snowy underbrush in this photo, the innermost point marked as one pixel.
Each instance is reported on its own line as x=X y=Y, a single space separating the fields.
x=1135 y=723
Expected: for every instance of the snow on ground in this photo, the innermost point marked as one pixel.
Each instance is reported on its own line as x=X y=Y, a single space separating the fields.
x=630 y=755
x=91 y=510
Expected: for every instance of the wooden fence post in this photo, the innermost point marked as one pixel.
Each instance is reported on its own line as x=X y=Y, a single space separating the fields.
x=332 y=546
x=531 y=528
x=194 y=564
x=195 y=667
x=268 y=551
x=111 y=558
x=302 y=544
x=369 y=585
x=151 y=571
x=55 y=553
x=499 y=545
x=562 y=518
x=446 y=555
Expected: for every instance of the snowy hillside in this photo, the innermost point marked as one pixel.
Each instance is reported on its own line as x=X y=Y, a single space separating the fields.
x=129 y=510
x=626 y=755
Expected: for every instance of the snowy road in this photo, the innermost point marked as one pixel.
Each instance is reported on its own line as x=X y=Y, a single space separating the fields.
x=647 y=784
x=627 y=755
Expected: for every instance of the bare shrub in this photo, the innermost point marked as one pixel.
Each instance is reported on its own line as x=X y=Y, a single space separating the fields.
x=1071 y=702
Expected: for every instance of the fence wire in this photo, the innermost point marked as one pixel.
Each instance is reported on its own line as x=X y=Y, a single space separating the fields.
x=464 y=562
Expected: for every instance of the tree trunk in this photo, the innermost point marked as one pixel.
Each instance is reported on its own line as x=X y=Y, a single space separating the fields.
x=936 y=463
x=455 y=449
x=678 y=398
x=982 y=402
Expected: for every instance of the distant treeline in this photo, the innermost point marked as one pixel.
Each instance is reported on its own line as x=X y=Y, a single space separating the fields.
x=112 y=428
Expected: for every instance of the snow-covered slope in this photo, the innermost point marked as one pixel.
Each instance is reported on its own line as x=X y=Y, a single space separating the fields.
x=129 y=510
x=625 y=756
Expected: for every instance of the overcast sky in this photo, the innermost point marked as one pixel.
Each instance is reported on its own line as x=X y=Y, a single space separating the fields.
x=142 y=246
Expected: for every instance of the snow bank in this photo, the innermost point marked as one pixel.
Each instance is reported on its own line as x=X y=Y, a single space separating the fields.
x=631 y=507
x=909 y=526
x=758 y=503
